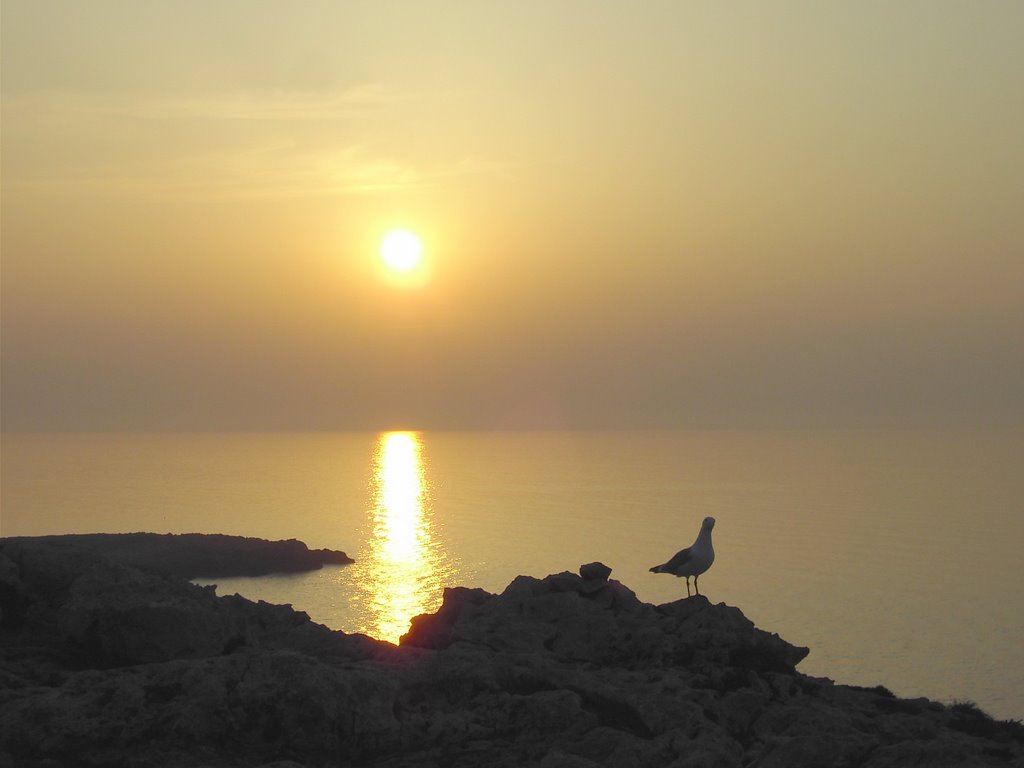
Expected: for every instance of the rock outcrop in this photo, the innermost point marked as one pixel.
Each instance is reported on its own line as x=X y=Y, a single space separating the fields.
x=104 y=664
x=196 y=555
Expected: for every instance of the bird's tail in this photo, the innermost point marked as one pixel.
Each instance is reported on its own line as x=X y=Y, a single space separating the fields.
x=657 y=569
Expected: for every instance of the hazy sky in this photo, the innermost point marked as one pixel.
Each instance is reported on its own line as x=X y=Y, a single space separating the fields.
x=654 y=214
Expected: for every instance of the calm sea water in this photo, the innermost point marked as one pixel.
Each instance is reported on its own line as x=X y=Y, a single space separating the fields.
x=896 y=556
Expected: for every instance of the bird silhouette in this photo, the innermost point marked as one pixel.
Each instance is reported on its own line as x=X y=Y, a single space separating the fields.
x=693 y=560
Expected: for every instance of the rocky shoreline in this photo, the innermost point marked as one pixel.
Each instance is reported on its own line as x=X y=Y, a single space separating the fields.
x=104 y=663
x=199 y=555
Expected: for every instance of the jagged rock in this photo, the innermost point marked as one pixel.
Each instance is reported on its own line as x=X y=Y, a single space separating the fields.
x=595 y=572
x=561 y=616
x=102 y=664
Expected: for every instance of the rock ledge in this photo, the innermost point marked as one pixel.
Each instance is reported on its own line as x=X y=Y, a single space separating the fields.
x=105 y=664
x=196 y=555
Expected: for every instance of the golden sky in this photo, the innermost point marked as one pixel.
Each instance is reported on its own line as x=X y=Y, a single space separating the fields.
x=657 y=214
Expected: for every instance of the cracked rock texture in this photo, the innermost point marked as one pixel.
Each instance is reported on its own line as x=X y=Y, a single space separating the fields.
x=104 y=664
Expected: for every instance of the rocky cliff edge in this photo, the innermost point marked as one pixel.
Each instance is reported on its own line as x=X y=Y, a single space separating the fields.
x=104 y=664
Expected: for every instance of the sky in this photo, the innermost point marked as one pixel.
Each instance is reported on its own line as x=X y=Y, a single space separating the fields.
x=633 y=215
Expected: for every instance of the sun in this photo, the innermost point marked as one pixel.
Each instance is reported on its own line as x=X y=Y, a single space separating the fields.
x=401 y=250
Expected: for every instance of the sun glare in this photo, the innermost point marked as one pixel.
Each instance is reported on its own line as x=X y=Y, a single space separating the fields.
x=401 y=250
x=406 y=565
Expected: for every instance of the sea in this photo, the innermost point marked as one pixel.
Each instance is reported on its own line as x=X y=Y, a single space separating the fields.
x=895 y=556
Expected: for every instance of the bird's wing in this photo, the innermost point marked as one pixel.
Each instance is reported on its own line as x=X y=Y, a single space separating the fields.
x=679 y=559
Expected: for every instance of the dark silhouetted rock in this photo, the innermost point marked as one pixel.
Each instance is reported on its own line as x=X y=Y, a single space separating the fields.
x=104 y=664
x=595 y=572
x=195 y=555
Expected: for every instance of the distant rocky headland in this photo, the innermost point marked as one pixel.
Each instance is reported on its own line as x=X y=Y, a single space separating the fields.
x=196 y=555
x=109 y=661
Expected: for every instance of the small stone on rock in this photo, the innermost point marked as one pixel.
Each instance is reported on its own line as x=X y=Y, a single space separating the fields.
x=594 y=571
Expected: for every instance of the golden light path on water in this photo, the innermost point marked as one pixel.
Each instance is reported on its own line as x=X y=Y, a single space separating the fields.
x=407 y=566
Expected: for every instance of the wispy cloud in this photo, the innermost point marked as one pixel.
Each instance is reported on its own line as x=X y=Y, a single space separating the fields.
x=242 y=144
x=287 y=171
x=274 y=105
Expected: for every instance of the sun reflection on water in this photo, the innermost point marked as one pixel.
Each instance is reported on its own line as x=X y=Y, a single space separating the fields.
x=406 y=564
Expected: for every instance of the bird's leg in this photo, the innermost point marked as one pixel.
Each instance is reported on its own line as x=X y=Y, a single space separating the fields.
x=695 y=585
x=687 y=586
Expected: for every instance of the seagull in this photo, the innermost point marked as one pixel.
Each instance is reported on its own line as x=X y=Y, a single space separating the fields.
x=694 y=560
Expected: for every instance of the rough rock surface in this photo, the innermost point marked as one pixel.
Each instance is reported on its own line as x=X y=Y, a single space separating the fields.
x=102 y=664
x=194 y=555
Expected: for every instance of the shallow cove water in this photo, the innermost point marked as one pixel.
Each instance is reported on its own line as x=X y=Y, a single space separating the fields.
x=893 y=555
